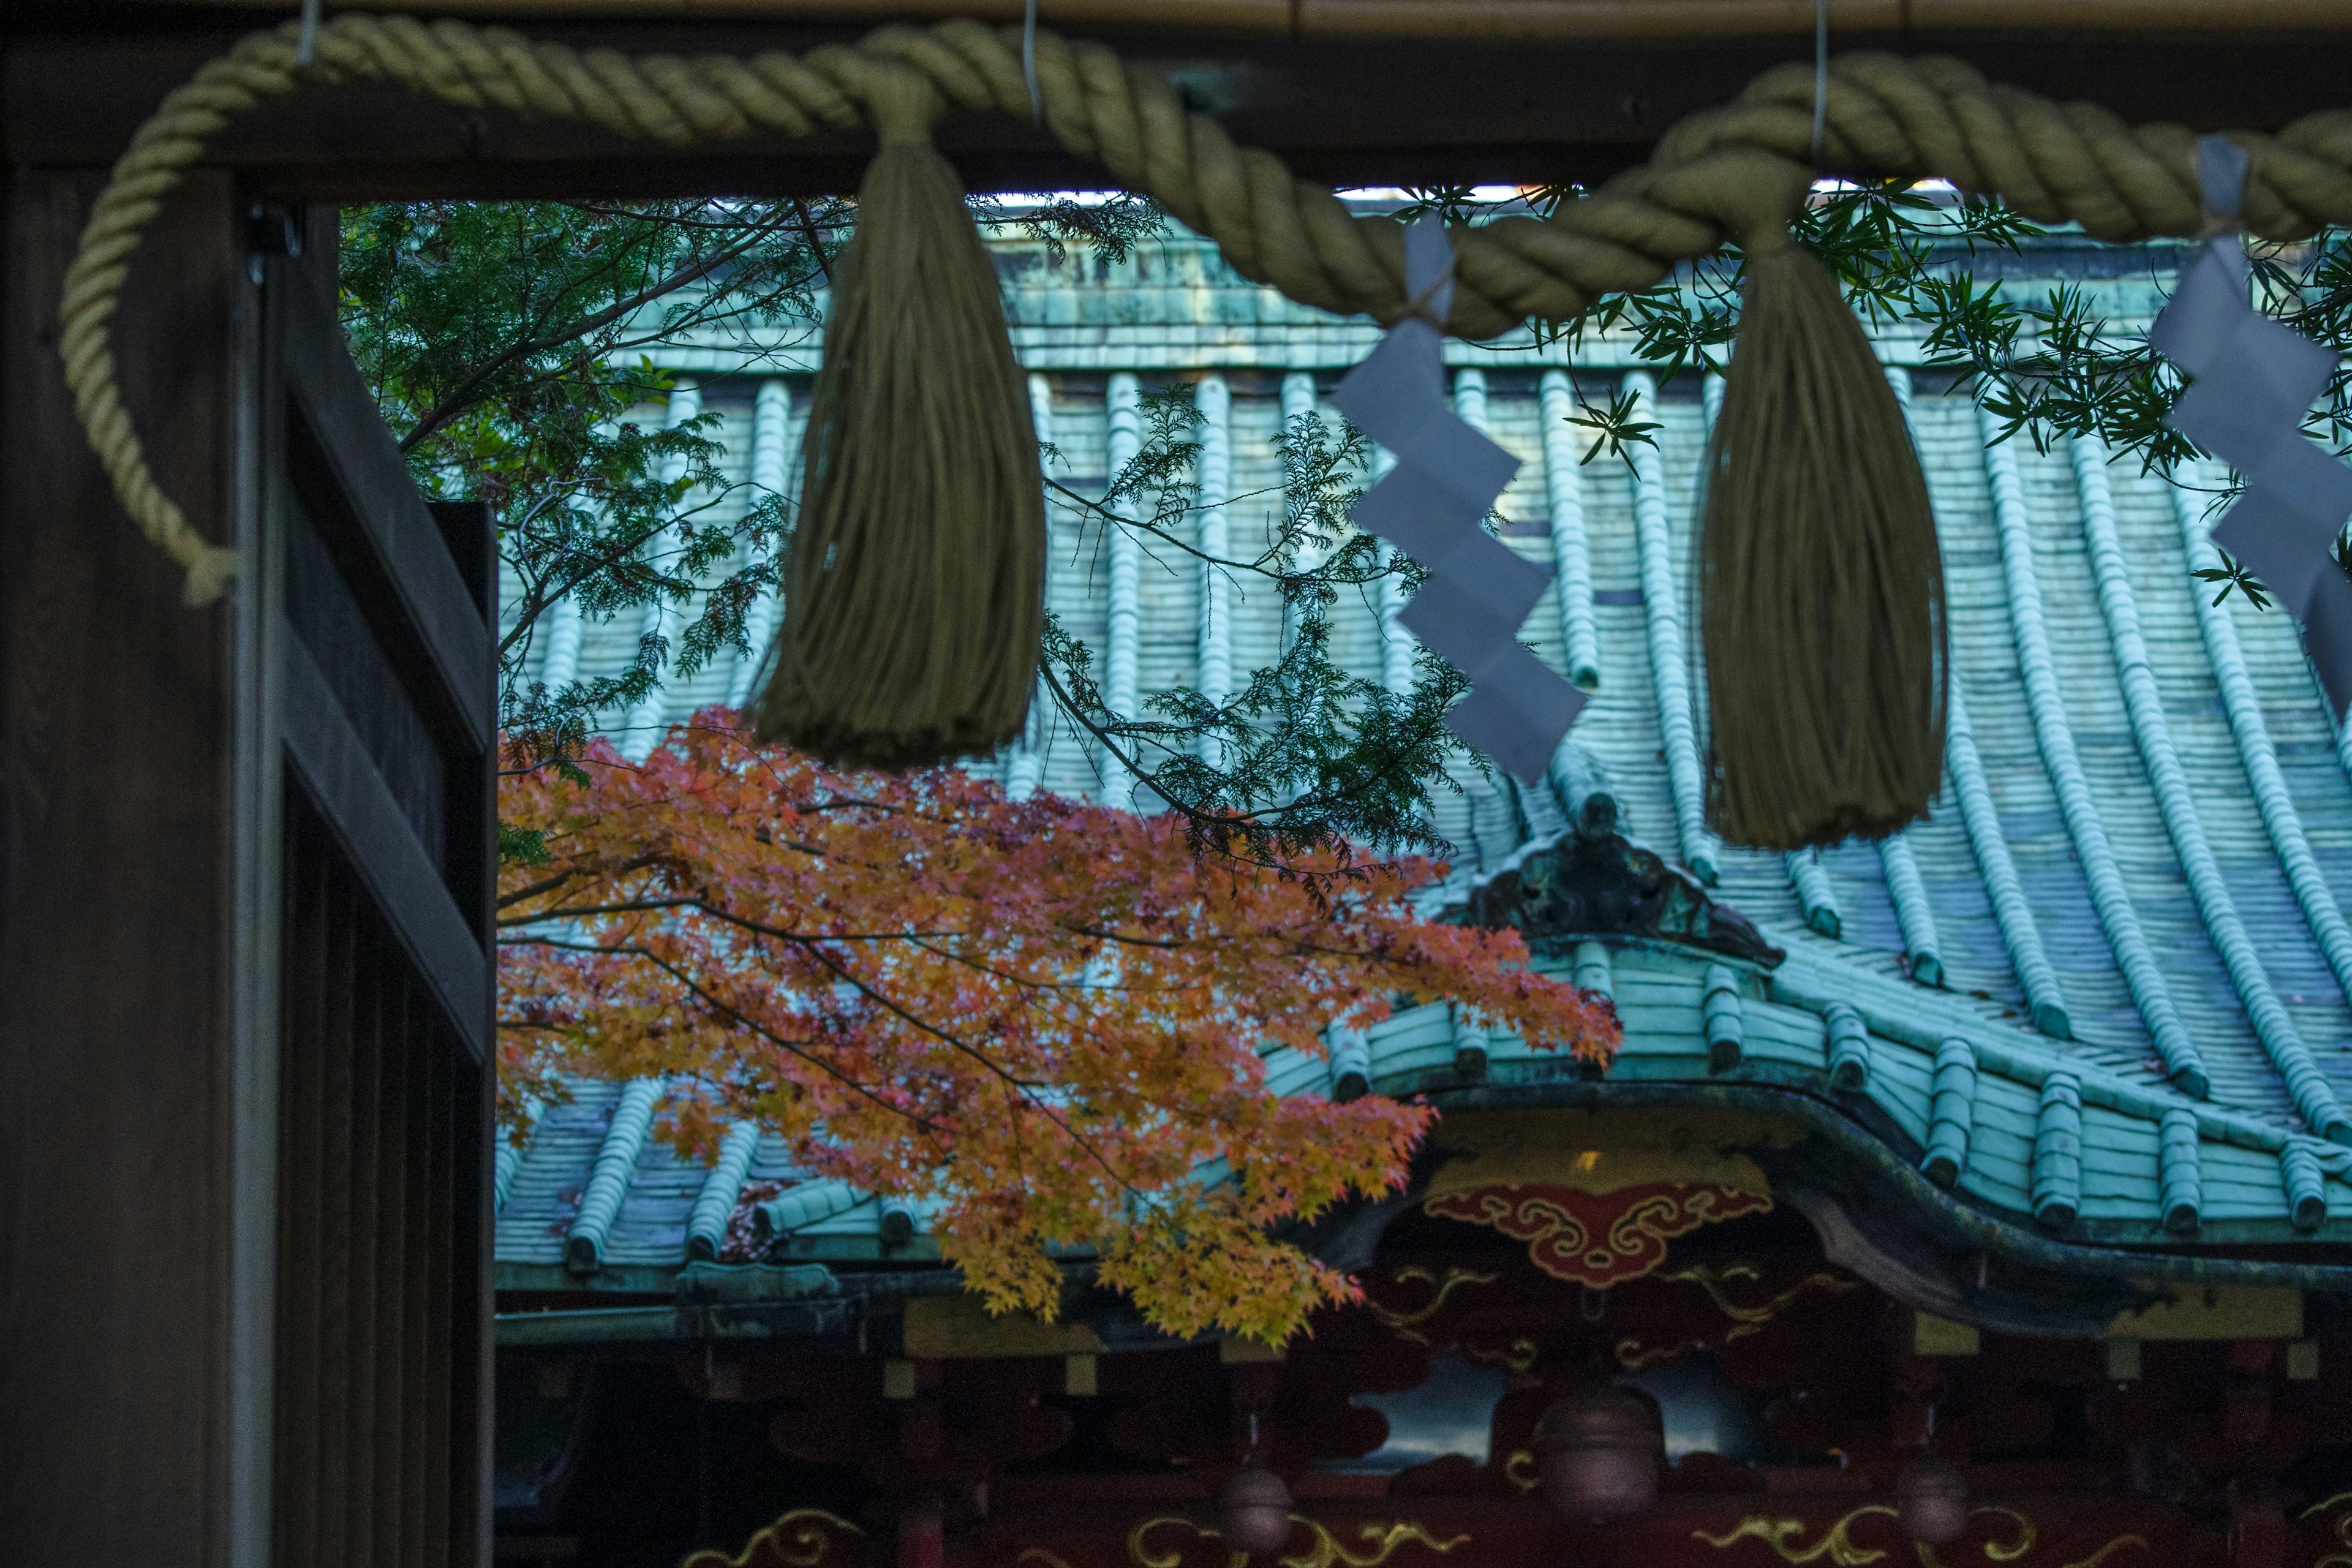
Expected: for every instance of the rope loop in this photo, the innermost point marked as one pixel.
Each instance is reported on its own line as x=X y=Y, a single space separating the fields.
x=1739 y=170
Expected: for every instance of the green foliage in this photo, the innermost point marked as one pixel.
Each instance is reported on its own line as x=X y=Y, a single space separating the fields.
x=1304 y=755
x=2082 y=378
x=2049 y=368
x=1109 y=224
x=1897 y=254
x=507 y=346
x=1616 y=426
x=2231 y=574
x=520 y=845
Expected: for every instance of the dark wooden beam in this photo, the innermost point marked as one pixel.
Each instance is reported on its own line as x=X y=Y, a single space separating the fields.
x=1376 y=112
x=118 y=1095
x=397 y=556
x=334 y=764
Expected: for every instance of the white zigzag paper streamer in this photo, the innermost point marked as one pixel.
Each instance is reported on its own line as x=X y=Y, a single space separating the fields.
x=1431 y=505
x=2253 y=381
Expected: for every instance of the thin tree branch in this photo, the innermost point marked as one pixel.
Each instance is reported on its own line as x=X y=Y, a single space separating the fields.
x=1028 y=1091
x=459 y=397
x=817 y=246
x=550 y=884
x=712 y=999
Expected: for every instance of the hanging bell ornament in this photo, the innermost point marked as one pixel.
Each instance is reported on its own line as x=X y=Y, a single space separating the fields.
x=1597 y=1455
x=1254 y=1510
x=1931 y=1500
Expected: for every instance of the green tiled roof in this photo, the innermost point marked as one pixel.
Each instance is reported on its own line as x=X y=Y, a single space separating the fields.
x=2104 y=984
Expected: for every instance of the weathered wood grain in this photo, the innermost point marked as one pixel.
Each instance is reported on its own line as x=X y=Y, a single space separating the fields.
x=114 y=1122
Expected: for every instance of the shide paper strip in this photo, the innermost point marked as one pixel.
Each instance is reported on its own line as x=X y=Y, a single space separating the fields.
x=2253 y=381
x=1431 y=506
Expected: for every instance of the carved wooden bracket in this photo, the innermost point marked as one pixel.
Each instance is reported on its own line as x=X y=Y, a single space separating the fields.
x=1597 y=1238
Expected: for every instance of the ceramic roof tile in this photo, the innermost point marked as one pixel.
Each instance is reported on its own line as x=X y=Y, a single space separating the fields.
x=2023 y=595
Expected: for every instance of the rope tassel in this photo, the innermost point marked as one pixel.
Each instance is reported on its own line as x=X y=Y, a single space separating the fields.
x=914 y=584
x=1821 y=589
x=915 y=579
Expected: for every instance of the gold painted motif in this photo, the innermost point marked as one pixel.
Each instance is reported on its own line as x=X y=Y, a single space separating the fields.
x=799 y=1538
x=1632 y=1355
x=1380 y=1543
x=2343 y=1529
x=1596 y=1238
x=1998 y=1551
x=2025 y=1535
x=1406 y=1322
x=1836 y=1545
x=1519 y=1469
x=1517 y=1356
x=1750 y=1320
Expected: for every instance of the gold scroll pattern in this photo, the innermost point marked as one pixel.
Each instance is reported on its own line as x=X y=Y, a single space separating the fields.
x=1407 y=1323
x=1632 y=1355
x=801 y=1538
x=2120 y=1544
x=1381 y=1541
x=1517 y=1356
x=1596 y=1238
x=1785 y=1537
x=1746 y=1318
x=1838 y=1548
x=2343 y=1529
x=1750 y=1320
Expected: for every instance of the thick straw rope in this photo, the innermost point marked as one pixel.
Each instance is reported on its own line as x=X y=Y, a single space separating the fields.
x=1735 y=171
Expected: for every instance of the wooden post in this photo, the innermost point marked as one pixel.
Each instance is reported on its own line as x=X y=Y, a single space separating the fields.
x=133 y=1140
x=922 y=1444
x=245 y=1303
x=2258 y=1526
x=922 y=1542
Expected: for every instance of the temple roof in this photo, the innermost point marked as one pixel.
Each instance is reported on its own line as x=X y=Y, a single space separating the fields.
x=2099 y=993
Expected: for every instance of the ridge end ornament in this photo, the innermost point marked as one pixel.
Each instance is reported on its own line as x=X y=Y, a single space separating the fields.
x=2252 y=379
x=1479 y=591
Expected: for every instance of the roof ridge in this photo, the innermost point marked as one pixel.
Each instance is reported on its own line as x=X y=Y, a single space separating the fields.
x=2251 y=730
x=2013 y=911
x=1670 y=677
x=1571 y=549
x=2153 y=735
x=1913 y=916
x=1891 y=1010
x=2117 y=917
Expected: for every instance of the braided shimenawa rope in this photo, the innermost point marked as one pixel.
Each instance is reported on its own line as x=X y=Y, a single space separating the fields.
x=1739 y=170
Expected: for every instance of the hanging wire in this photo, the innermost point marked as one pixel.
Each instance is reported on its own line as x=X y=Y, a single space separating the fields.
x=1029 y=65
x=1821 y=73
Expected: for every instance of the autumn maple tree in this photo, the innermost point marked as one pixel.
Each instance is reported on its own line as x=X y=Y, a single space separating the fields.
x=1044 y=1018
